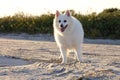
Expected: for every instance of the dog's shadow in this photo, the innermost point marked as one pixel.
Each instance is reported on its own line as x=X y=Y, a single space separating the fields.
x=70 y=60
x=87 y=58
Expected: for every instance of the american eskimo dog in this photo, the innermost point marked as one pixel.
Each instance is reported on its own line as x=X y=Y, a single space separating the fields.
x=69 y=34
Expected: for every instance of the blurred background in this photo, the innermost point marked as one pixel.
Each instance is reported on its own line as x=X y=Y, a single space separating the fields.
x=100 y=18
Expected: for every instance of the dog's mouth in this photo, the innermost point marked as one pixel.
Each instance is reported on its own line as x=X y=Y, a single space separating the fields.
x=62 y=29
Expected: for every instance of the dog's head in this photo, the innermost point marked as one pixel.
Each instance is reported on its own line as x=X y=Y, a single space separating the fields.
x=62 y=21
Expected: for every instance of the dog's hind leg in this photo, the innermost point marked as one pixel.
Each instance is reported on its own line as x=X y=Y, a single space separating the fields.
x=78 y=51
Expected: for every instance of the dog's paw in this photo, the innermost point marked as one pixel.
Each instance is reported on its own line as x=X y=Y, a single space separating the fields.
x=63 y=62
x=80 y=60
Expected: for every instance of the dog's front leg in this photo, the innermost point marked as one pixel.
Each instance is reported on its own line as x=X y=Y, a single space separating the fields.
x=63 y=55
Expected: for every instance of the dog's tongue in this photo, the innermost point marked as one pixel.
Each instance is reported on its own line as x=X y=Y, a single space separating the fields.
x=62 y=29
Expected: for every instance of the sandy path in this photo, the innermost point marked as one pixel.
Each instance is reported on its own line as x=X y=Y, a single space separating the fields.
x=101 y=61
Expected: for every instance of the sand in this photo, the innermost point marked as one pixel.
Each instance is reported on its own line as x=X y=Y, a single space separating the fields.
x=36 y=57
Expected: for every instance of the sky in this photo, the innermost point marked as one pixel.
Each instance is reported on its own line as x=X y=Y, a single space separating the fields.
x=38 y=7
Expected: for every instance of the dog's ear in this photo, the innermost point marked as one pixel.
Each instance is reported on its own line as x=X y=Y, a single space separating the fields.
x=57 y=13
x=67 y=13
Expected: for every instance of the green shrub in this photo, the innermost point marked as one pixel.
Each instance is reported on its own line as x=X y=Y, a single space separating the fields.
x=103 y=25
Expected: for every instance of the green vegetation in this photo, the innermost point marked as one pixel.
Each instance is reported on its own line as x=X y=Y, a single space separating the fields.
x=103 y=25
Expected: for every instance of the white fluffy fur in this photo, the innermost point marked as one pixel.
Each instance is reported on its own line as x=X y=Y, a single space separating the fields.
x=71 y=38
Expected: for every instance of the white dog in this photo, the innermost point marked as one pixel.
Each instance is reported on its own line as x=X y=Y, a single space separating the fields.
x=69 y=34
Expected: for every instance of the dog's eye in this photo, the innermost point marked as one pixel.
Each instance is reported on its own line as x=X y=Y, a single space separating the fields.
x=65 y=21
x=59 y=21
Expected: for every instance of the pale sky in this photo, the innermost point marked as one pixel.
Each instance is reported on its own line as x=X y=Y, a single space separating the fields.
x=37 y=7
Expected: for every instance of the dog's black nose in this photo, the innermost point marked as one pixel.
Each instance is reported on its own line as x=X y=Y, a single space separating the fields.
x=61 y=25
